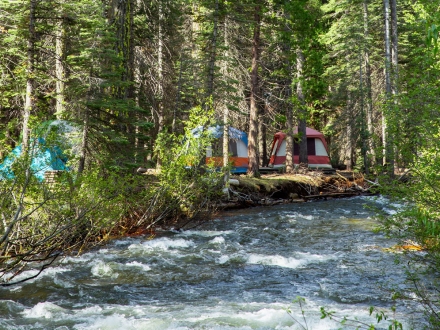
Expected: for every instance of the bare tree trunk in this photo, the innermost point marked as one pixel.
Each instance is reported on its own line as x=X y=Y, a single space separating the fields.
x=226 y=112
x=60 y=50
x=348 y=155
x=288 y=96
x=226 y=145
x=253 y=169
x=289 y=134
x=394 y=48
x=364 y=135
x=302 y=113
x=29 y=103
x=212 y=56
x=176 y=109
x=84 y=142
x=395 y=76
x=387 y=143
x=368 y=87
x=262 y=144
x=160 y=89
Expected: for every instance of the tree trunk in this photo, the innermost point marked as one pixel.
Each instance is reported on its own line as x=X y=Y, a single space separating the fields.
x=160 y=81
x=212 y=56
x=302 y=113
x=60 y=50
x=348 y=155
x=262 y=144
x=84 y=142
x=362 y=118
x=394 y=48
x=394 y=79
x=387 y=143
x=29 y=102
x=289 y=123
x=253 y=116
x=368 y=87
x=288 y=96
x=225 y=73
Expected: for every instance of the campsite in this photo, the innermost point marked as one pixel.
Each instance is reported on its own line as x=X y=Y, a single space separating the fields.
x=132 y=123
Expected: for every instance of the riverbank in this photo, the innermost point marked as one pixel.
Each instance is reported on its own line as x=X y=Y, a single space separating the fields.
x=266 y=190
x=273 y=189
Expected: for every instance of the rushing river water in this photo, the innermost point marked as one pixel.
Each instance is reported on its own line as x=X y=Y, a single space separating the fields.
x=240 y=271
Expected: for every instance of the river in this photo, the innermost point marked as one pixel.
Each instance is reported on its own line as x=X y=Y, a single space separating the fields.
x=239 y=271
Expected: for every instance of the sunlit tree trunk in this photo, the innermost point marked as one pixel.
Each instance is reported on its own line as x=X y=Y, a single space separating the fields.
x=60 y=73
x=262 y=144
x=253 y=169
x=349 y=149
x=226 y=110
x=29 y=102
x=84 y=143
x=160 y=80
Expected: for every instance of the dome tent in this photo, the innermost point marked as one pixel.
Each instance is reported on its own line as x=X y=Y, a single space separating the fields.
x=49 y=147
x=238 y=147
x=316 y=150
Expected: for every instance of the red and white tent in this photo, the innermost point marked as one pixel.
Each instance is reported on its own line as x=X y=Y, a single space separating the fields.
x=317 y=150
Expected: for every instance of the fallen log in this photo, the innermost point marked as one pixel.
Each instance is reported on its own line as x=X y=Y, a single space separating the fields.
x=344 y=194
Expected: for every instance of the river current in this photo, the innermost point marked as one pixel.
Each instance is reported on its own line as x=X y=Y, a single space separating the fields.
x=239 y=271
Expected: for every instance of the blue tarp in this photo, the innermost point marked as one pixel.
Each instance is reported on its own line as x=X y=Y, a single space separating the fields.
x=43 y=158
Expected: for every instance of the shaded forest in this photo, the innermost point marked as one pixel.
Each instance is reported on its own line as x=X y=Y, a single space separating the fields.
x=133 y=78
x=363 y=72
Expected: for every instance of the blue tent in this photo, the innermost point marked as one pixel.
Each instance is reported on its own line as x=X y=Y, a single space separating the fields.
x=45 y=157
x=217 y=132
x=238 y=147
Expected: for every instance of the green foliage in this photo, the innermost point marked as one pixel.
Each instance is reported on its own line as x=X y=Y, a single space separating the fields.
x=43 y=220
x=416 y=222
x=345 y=321
x=188 y=185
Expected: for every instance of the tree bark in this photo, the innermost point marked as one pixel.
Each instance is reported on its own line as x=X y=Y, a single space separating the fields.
x=253 y=169
x=212 y=56
x=302 y=113
x=29 y=101
x=394 y=81
x=394 y=48
x=160 y=80
x=363 y=118
x=387 y=143
x=84 y=142
x=368 y=86
x=349 y=145
x=60 y=73
x=226 y=112
x=288 y=96
x=262 y=144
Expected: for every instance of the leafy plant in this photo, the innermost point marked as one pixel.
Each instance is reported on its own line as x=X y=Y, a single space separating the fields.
x=345 y=321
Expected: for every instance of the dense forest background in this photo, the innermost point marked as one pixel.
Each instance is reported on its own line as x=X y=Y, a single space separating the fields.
x=135 y=75
x=364 y=72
